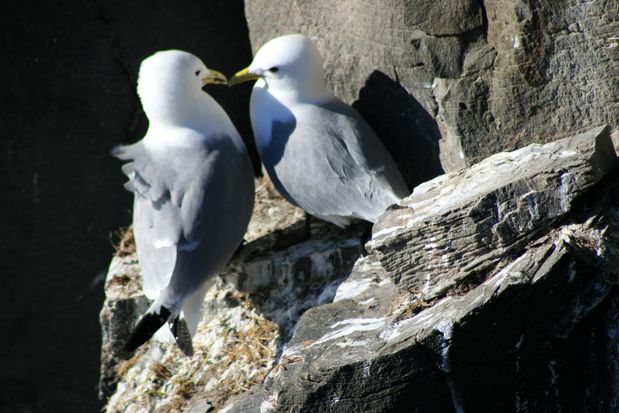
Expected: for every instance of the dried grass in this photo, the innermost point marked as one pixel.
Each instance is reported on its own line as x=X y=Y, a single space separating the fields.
x=125 y=365
x=415 y=305
x=123 y=242
x=161 y=372
x=249 y=347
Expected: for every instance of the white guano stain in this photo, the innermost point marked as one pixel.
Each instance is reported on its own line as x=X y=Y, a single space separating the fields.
x=334 y=399
x=554 y=382
x=289 y=351
x=387 y=231
x=532 y=207
x=321 y=263
x=270 y=403
x=367 y=364
x=351 y=325
x=393 y=331
x=517 y=348
x=445 y=327
x=368 y=301
x=427 y=282
x=348 y=290
x=565 y=195
x=355 y=343
x=566 y=153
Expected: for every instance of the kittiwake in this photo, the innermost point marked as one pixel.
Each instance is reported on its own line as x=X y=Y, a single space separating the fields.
x=319 y=152
x=193 y=186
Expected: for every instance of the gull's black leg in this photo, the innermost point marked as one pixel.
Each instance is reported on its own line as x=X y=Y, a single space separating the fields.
x=308 y=226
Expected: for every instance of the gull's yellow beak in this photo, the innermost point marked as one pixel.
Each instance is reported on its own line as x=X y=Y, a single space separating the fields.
x=215 y=78
x=242 y=76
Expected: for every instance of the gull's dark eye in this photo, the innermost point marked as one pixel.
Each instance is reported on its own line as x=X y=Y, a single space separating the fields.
x=197 y=72
x=274 y=69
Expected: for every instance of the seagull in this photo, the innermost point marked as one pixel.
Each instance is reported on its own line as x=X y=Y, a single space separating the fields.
x=192 y=180
x=318 y=151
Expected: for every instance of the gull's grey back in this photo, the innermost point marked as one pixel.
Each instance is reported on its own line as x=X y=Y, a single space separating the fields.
x=333 y=164
x=201 y=206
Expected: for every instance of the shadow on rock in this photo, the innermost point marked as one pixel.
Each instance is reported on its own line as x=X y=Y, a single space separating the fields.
x=408 y=131
x=283 y=283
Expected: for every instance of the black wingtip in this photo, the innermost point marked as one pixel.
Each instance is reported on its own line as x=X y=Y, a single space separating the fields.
x=146 y=327
x=182 y=336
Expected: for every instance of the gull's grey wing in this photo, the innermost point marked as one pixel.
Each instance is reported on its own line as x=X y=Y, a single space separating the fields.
x=155 y=219
x=335 y=166
x=366 y=148
x=167 y=213
x=143 y=177
x=182 y=202
x=191 y=209
x=214 y=212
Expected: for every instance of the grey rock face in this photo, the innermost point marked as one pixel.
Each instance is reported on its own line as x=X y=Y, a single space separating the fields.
x=536 y=333
x=520 y=315
x=458 y=226
x=449 y=83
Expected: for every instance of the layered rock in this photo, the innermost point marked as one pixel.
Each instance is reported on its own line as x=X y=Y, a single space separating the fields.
x=535 y=331
x=459 y=226
x=488 y=289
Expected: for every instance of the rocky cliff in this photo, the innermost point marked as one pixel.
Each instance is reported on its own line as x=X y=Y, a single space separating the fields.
x=491 y=288
x=448 y=83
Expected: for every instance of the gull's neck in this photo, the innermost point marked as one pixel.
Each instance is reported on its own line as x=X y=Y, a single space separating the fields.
x=291 y=91
x=190 y=110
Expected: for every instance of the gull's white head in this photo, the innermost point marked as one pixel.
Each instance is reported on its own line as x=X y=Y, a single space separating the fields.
x=288 y=63
x=170 y=82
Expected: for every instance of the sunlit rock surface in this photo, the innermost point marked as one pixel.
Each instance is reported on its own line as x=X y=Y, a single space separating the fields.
x=524 y=302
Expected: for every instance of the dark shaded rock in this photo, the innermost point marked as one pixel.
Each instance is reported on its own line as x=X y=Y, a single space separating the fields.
x=386 y=106
x=67 y=96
